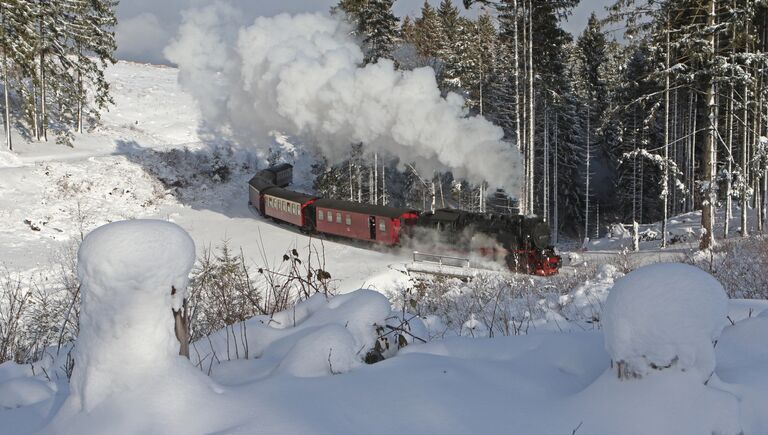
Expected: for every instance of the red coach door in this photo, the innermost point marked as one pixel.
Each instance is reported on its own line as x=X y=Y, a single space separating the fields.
x=372 y=226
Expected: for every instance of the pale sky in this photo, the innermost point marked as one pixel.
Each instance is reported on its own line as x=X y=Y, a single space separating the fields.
x=146 y=26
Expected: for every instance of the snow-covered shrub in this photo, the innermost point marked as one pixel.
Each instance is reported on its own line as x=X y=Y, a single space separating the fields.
x=221 y=292
x=225 y=292
x=132 y=275
x=586 y=301
x=662 y=316
x=38 y=313
x=488 y=305
x=740 y=265
x=14 y=298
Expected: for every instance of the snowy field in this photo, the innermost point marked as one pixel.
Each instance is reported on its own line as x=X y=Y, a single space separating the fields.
x=645 y=367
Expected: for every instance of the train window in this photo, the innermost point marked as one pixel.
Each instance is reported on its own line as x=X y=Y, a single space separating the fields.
x=330 y=216
x=338 y=217
x=320 y=215
x=349 y=220
x=383 y=226
x=295 y=209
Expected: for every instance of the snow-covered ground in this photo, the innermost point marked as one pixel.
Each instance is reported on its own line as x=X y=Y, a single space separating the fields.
x=304 y=375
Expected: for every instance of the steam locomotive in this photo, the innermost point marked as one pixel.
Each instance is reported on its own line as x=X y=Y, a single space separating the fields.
x=521 y=242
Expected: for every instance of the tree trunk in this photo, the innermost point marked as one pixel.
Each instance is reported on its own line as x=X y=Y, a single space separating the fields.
x=545 y=202
x=665 y=181
x=531 y=115
x=729 y=178
x=8 y=142
x=744 y=162
x=586 y=190
x=556 y=219
x=181 y=326
x=43 y=107
x=709 y=192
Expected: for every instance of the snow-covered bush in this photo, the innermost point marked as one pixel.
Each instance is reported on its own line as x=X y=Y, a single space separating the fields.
x=662 y=316
x=488 y=305
x=585 y=302
x=740 y=265
x=132 y=275
x=225 y=291
x=39 y=312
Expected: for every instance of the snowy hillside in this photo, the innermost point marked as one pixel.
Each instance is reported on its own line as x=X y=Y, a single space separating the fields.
x=498 y=354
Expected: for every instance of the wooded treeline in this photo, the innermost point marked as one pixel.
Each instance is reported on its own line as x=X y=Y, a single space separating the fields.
x=53 y=57
x=669 y=118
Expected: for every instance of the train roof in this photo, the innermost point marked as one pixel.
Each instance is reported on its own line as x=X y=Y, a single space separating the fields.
x=260 y=183
x=290 y=195
x=280 y=167
x=369 y=209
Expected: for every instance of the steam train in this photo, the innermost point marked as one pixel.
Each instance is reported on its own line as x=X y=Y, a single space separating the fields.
x=522 y=242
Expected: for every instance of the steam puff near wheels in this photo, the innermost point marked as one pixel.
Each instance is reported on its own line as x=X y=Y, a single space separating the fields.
x=301 y=75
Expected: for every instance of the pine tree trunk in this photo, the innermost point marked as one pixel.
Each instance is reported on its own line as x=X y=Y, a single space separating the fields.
x=531 y=115
x=545 y=202
x=371 y=186
x=634 y=165
x=8 y=142
x=518 y=139
x=43 y=107
x=708 y=202
x=586 y=190
x=744 y=172
x=729 y=178
x=351 y=182
x=692 y=154
x=384 y=200
x=35 y=114
x=665 y=181
x=556 y=218
x=524 y=109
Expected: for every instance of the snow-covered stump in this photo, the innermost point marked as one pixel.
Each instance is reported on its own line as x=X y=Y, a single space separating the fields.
x=132 y=275
x=664 y=316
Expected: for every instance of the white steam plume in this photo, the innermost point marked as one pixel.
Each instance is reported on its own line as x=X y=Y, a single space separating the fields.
x=301 y=75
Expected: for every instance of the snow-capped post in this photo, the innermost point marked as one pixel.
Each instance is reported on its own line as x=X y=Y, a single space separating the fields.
x=665 y=316
x=635 y=236
x=133 y=276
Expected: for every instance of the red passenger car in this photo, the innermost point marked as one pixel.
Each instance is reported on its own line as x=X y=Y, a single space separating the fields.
x=374 y=223
x=258 y=186
x=289 y=206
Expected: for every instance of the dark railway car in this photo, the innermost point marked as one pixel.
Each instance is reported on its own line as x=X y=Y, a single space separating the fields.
x=289 y=206
x=374 y=223
x=257 y=186
x=280 y=175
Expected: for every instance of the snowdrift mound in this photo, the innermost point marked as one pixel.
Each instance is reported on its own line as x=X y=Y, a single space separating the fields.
x=662 y=316
x=320 y=336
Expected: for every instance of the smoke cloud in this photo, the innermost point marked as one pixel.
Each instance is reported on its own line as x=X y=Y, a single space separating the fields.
x=302 y=75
